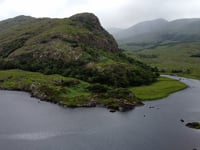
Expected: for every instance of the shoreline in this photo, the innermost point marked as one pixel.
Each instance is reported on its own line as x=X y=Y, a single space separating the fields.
x=117 y=105
x=164 y=87
x=122 y=108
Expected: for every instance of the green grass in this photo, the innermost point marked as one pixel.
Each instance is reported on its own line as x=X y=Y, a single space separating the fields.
x=160 y=89
x=73 y=92
x=55 y=87
x=172 y=57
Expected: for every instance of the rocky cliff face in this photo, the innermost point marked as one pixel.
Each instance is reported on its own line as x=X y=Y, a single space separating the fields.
x=99 y=38
x=54 y=37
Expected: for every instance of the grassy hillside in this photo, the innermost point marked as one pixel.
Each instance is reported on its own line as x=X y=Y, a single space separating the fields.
x=171 y=46
x=180 y=59
x=75 y=47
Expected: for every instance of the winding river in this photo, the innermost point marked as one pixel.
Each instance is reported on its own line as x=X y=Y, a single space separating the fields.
x=28 y=124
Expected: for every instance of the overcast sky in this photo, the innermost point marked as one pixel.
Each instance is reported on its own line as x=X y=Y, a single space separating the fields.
x=112 y=13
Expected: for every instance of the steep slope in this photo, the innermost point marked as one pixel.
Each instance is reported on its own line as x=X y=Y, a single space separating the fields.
x=77 y=47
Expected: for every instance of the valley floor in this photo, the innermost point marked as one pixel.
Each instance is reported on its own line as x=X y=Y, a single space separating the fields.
x=181 y=59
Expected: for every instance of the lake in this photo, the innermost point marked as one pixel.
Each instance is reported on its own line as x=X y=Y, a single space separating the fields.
x=29 y=124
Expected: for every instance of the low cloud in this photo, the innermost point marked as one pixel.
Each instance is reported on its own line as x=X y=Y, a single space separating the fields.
x=112 y=13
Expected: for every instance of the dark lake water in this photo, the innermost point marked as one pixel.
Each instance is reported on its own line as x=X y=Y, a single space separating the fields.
x=26 y=124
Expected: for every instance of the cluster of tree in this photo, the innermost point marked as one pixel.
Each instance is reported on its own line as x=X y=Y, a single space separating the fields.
x=187 y=71
x=177 y=71
x=195 y=55
x=9 y=47
x=106 y=91
x=179 y=37
x=117 y=74
x=148 y=56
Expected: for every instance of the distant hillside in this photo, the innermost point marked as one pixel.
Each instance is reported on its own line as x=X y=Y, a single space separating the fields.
x=181 y=59
x=172 y=47
x=150 y=34
x=139 y=29
x=78 y=47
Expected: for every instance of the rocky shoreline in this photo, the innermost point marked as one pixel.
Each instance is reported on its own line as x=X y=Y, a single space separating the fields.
x=123 y=105
x=68 y=92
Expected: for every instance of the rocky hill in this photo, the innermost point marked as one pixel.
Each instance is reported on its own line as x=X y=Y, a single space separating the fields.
x=77 y=47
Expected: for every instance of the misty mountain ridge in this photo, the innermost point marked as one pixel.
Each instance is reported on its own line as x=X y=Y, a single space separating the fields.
x=141 y=28
x=172 y=46
x=158 y=32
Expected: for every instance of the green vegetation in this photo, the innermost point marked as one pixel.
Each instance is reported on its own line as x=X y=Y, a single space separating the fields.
x=66 y=91
x=76 y=63
x=172 y=59
x=162 y=88
x=194 y=125
x=75 y=47
x=171 y=46
x=48 y=87
x=72 y=92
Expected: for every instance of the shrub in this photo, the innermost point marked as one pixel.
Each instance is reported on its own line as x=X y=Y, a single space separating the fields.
x=121 y=93
x=67 y=82
x=177 y=71
x=98 y=88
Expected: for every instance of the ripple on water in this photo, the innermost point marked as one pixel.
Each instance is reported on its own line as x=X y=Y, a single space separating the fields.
x=39 y=135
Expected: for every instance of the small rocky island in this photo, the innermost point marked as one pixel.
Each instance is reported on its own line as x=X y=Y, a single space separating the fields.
x=194 y=125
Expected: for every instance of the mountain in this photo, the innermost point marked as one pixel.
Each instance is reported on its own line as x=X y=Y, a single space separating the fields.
x=172 y=47
x=77 y=47
x=157 y=32
x=142 y=28
x=14 y=22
